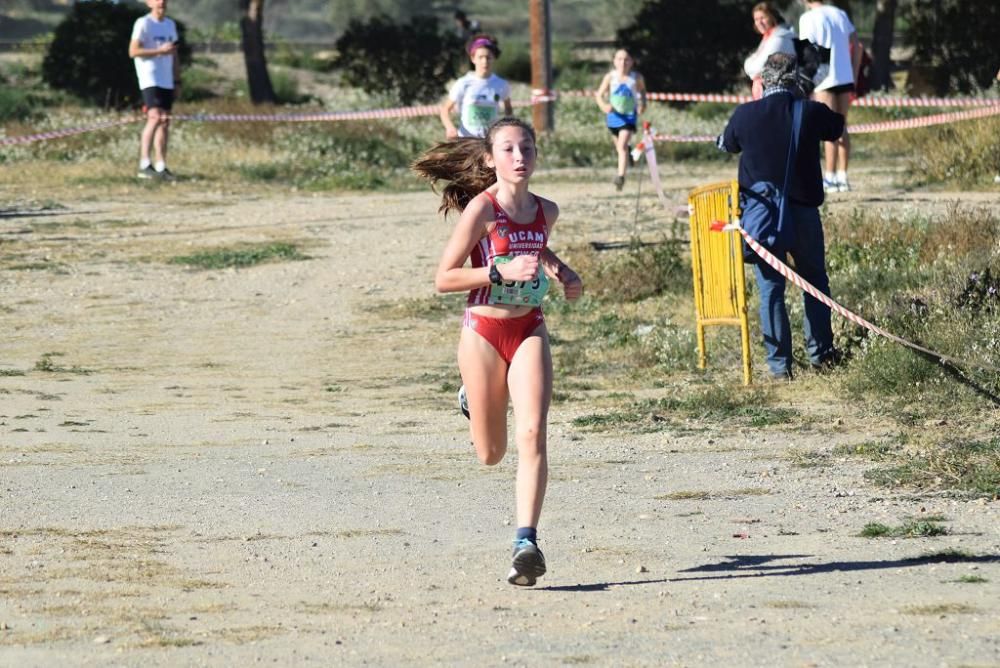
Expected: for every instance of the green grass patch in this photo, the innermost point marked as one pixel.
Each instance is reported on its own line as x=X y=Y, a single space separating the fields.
x=240 y=257
x=971 y=467
x=969 y=579
x=716 y=403
x=704 y=495
x=47 y=365
x=911 y=529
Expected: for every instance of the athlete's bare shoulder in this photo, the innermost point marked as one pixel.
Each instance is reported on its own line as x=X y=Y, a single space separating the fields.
x=549 y=208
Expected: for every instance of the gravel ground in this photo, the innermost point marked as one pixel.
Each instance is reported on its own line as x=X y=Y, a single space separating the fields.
x=256 y=465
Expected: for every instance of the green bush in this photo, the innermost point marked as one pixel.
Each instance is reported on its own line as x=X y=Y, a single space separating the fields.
x=88 y=55
x=952 y=40
x=690 y=46
x=412 y=62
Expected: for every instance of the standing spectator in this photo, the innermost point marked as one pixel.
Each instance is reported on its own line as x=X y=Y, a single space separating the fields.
x=761 y=131
x=478 y=95
x=154 y=48
x=830 y=27
x=625 y=90
x=464 y=26
x=776 y=37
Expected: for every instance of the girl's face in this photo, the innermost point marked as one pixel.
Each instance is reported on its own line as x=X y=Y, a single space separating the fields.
x=513 y=155
x=482 y=58
x=623 y=62
x=762 y=21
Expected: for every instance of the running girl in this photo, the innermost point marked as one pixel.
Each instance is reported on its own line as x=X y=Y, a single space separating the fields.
x=503 y=349
x=477 y=96
x=626 y=93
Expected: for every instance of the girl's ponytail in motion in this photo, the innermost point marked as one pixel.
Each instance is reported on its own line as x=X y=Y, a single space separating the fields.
x=461 y=162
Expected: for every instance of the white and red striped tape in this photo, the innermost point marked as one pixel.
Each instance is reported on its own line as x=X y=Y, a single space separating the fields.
x=724 y=98
x=989 y=108
x=806 y=286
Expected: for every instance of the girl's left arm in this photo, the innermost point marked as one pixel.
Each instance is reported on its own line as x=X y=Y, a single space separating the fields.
x=553 y=266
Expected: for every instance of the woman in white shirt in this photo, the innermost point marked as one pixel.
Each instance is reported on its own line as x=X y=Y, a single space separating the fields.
x=776 y=37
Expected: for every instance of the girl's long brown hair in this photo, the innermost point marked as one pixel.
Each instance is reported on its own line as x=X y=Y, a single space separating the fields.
x=461 y=162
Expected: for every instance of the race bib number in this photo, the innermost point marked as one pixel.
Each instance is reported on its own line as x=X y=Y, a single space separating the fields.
x=479 y=116
x=519 y=293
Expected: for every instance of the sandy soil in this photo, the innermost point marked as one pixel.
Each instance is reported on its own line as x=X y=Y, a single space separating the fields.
x=258 y=465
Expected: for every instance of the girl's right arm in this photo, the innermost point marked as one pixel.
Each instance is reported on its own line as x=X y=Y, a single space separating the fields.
x=450 y=131
x=601 y=92
x=452 y=274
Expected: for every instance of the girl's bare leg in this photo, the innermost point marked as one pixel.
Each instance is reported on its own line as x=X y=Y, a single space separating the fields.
x=530 y=383
x=484 y=375
x=621 y=145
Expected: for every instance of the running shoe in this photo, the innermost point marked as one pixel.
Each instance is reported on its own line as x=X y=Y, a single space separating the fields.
x=147 y=172
x=463 y=402
x=830 y=186
x=528 y=564
x=619 y=182
x=165 y=175
x=843 y=186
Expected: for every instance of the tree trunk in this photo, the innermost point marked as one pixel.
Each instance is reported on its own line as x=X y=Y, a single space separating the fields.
x=885 y=19
x=252 y=31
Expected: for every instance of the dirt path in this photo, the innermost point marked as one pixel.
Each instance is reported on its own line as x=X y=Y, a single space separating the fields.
x=224 y=467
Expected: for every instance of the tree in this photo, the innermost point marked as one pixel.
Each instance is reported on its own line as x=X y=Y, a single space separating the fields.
x=954 y=43
x=883 y=33
x=412 y=61
x=690 y=46
x=252 y=31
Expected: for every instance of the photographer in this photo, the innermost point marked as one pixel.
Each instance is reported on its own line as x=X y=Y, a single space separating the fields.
x=762 y=132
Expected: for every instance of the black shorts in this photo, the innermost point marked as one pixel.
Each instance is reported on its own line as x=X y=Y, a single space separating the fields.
x=615 y=131
x=158 y=98
x=837 y=90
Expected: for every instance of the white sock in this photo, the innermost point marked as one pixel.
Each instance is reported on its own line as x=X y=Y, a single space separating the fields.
x=841 y=176
x=160 y=166
x=144 y=163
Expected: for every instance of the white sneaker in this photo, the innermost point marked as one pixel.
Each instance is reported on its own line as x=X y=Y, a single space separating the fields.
x=463 y=402
x=843 y=186
x=830 y=186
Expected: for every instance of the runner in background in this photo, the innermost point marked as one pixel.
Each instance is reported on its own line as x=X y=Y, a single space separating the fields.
x=153 y=47
x=625 y=91
x=830 y=27
x=478 y=95
x=776 y=37
x=503 y=349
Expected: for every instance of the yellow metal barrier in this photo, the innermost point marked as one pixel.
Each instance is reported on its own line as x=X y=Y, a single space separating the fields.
x=717 y=263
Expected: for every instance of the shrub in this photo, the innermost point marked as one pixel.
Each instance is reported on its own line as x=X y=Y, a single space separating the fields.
x=412 y=62
x=690 y=46
x=89 y=53
x=951 y=39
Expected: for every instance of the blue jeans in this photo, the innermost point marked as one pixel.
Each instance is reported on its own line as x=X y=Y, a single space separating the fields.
x=810 y=263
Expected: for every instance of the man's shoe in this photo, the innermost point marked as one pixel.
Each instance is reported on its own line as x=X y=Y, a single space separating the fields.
x=619 y=182
x=829 y=361
x=147 y=172
x=463 y=402
x=527 y=565
x=165 y=175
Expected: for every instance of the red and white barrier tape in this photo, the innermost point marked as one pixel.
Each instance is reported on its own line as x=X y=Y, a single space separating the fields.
x=989 y=108
x=725 y=98
x=806 y=286
x=68 y=132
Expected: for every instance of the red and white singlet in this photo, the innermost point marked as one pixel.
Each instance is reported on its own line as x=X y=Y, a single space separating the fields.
x=507 y=239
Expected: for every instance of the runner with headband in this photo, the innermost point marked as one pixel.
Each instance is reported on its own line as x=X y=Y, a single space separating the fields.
x=477 y=96
x=503 y=349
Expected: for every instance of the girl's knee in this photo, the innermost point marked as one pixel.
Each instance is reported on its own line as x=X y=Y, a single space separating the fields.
x=490 y=456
